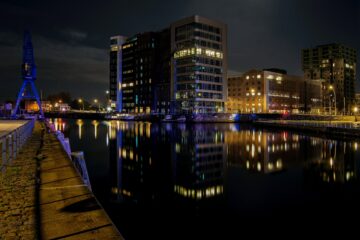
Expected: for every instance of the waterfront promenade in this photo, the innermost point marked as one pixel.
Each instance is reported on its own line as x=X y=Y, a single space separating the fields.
x=42 y=196
x=334 y=128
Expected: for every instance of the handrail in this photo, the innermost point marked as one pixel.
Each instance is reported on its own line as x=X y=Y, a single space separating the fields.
x=12 y=142
x=76 y=157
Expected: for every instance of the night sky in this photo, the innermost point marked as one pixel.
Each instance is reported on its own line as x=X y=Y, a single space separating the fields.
x=71 y=38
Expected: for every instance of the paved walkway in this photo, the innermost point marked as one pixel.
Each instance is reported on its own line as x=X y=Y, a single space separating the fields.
x=59 y=206
x=17 y=193
x=7 y=126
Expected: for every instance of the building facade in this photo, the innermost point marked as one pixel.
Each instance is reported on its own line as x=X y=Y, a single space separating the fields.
x=199 y=65
x=146 y=73
x=181 y=69
x=336 y=65
x=273 y=91
x=115 y=93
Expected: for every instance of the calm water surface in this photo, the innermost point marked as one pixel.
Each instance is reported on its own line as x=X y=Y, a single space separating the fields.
x=207 y=180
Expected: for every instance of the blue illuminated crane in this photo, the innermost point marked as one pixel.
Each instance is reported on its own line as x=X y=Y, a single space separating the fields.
x=28 y=69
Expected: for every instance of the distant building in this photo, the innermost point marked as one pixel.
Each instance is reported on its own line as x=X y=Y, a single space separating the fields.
x=265 y=91
x=336 y=64
x=199 y=65
x=5 y=110
x=46 y=106
x=181 y=69
x=31 y=106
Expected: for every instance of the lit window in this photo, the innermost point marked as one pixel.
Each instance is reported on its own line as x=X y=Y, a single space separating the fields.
x=247 y=77
x=258 y=76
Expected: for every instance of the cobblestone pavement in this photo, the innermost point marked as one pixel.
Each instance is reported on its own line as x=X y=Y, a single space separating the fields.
x=17 y=192
x=42 y=196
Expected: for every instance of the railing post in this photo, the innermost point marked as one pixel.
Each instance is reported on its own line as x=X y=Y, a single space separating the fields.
x=14 y=145
x=3 y=151
x=9 y=149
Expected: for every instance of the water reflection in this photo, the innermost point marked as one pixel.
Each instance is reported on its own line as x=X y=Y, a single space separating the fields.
x=197 y=157
x=187 y=169
x=336 y=163
x=96 y=124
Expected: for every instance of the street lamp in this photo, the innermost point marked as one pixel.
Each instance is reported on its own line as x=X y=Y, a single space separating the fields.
x=96 y=101
x=81 y=101
x=356 y=109
x=333 y=90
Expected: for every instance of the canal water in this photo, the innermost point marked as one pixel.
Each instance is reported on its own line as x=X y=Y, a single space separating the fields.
x=209 y=181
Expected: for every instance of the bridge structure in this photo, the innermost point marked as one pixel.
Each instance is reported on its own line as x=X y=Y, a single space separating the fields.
x=28 y=68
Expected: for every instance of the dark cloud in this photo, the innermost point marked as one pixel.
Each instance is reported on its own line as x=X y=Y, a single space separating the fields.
x=71 y=37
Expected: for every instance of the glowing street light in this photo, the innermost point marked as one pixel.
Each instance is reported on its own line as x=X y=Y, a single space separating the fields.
x=96 y=101
x=356 y=109
x=81 y=101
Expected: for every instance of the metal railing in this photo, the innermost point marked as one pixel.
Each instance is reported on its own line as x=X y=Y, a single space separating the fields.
x=12 y=142
x=77 y=158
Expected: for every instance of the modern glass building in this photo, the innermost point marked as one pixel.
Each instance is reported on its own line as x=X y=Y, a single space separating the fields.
x=181 y=69
x=199 y=65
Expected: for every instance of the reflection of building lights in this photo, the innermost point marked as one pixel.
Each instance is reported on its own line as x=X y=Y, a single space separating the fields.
x=258 y=166
x=177 y=148
x=95 y=123
x=247 y=164
x=131 y=155
x=270 y=166
x=279 y=163
x=198 y=193
x=123 y=154
x=79 y=122
x=349 y=175
x=148 y=130
x=331 y=162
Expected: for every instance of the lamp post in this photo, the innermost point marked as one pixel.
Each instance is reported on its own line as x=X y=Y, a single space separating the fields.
x=356 y=109
x=97 y=102
x=107 y=98
x=333 y=90
x=81 y=101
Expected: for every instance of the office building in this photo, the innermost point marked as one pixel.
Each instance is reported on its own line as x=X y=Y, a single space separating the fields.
x=199 y=65
x=336 y=65
x=143 y=68
x=181 y=69
x=273 y=91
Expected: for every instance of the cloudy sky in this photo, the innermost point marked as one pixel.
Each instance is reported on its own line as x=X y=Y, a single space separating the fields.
x=71 y=38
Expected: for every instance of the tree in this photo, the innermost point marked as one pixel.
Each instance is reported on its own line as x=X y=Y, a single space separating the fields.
x=65 y=97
